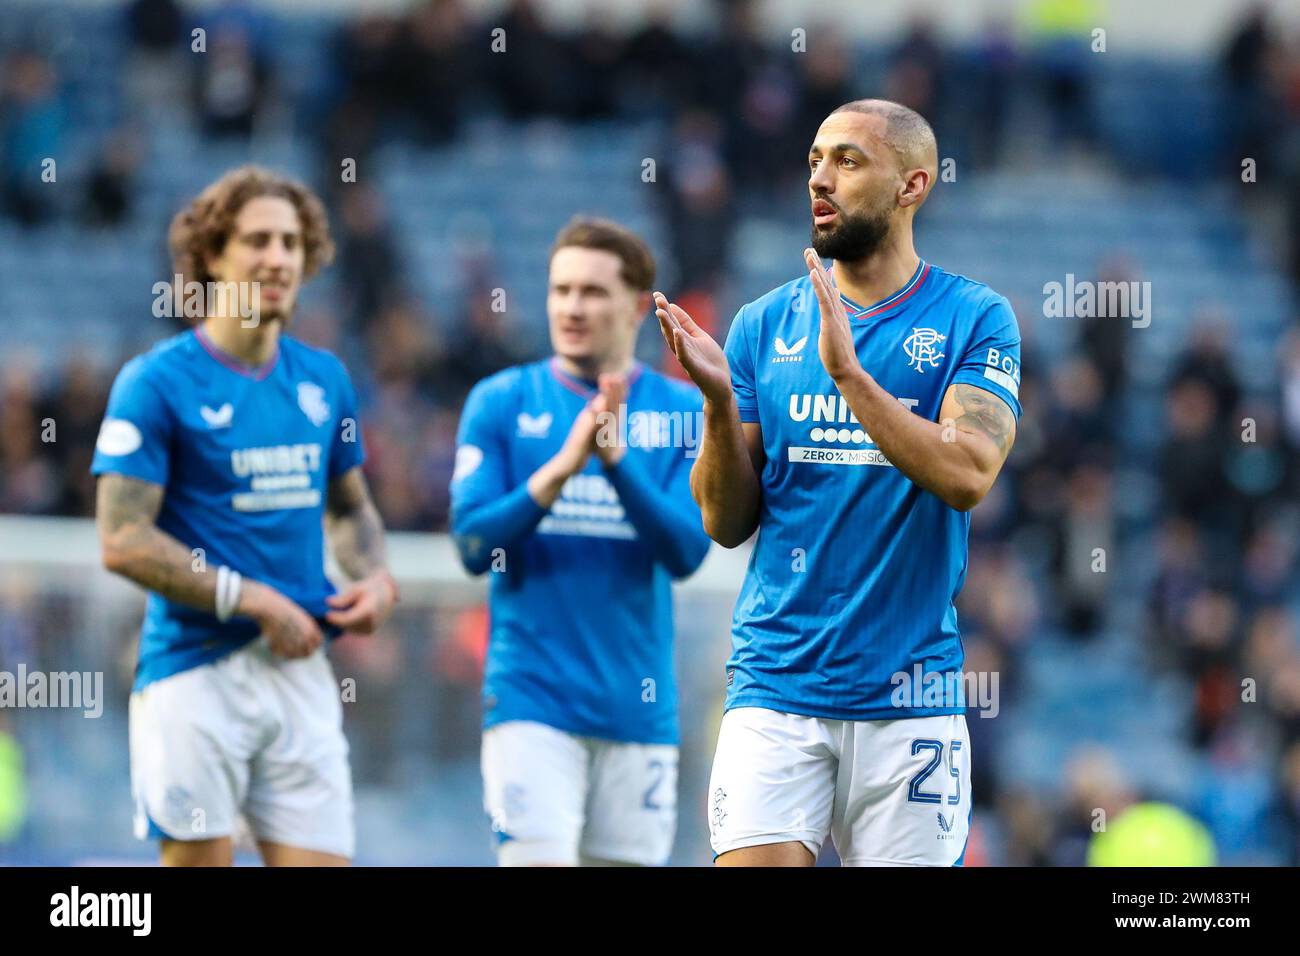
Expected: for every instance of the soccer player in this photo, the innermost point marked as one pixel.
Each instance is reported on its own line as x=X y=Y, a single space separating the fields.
x=222 y=452
x=571 y=485
x=853 y=419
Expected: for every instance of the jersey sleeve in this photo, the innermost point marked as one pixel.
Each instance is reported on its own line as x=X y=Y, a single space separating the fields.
x=479 y=473
x=486 y=514
x=347 y=450
x=740 y=356
x=136 y=434
x=992 y=361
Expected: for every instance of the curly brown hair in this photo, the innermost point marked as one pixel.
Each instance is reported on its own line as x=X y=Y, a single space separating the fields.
x=200 y=230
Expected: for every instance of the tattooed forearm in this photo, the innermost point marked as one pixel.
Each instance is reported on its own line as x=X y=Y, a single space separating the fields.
x=356 y=531
x=133 y=547
x=986 y=413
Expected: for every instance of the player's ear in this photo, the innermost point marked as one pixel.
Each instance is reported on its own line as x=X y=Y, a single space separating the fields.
x=644 y=303
x=916 y=182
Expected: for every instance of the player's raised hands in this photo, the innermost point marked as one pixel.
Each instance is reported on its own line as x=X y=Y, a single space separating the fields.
x=613 y=393
x=545 y=484
x=835 y=342
x=579 y=444
x=700 y=355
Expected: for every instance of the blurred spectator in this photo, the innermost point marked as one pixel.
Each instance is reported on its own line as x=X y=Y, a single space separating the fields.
x=1206 y=361
x=657 y=65
x=1289 y=800
x=1191 y=462
x=477 y=347
x=916 y=73
x=1030 y=825
x=369 y=260
x=1289 y=375
x=1291 y=184
x=724 y=65
x=154 y=27
x=825 y=84
x=701 y=216
x=1269 y=562
x=1085 y=547
x=437 y=69
x=1251 y=110
x=1104 y=337
x=1211 y=629
x=403 y=350
x=31 y=133
x=159 y=43
x=1256 y=466
x=1282 y=696
x=110 y=184
x=1000 y=602
x=533 y=76
x=1096 y=792
x=1079 y=409
x=597 y=54
x=29 y=481
x=1180 y=575
x=370 y=82
x=992 y=75
x=77 y=409
x=1062 y=37
x=410 y=428
x=1235 y=797
x=232 y=81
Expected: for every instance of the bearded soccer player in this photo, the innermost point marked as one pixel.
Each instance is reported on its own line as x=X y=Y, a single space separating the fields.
x=853 y=419
x=582 y=522
x=223 y=453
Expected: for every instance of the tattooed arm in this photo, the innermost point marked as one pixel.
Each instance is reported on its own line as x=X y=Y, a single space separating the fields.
x=958 y=457
x=134 y=547
x=356 y=534
x=983 y=413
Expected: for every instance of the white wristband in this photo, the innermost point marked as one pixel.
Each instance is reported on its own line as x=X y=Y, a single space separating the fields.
x=229 y=585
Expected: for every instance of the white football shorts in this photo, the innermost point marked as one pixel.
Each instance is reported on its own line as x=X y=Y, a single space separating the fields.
x=889 y=792
x=250 y=734
x=559 y=799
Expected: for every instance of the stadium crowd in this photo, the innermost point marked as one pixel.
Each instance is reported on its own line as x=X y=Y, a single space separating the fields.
x=736 y=109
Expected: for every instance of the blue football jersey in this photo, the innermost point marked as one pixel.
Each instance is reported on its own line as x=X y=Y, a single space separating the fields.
x=579 y=596
x=245 y=457
x=854 y=573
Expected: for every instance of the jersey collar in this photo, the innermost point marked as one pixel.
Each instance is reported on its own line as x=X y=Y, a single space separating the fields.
x=858 y=313
x=256 y=373
x=585 y=387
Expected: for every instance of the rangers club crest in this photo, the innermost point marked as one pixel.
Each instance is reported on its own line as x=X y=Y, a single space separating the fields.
x=311 y=399
x=922 y=347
